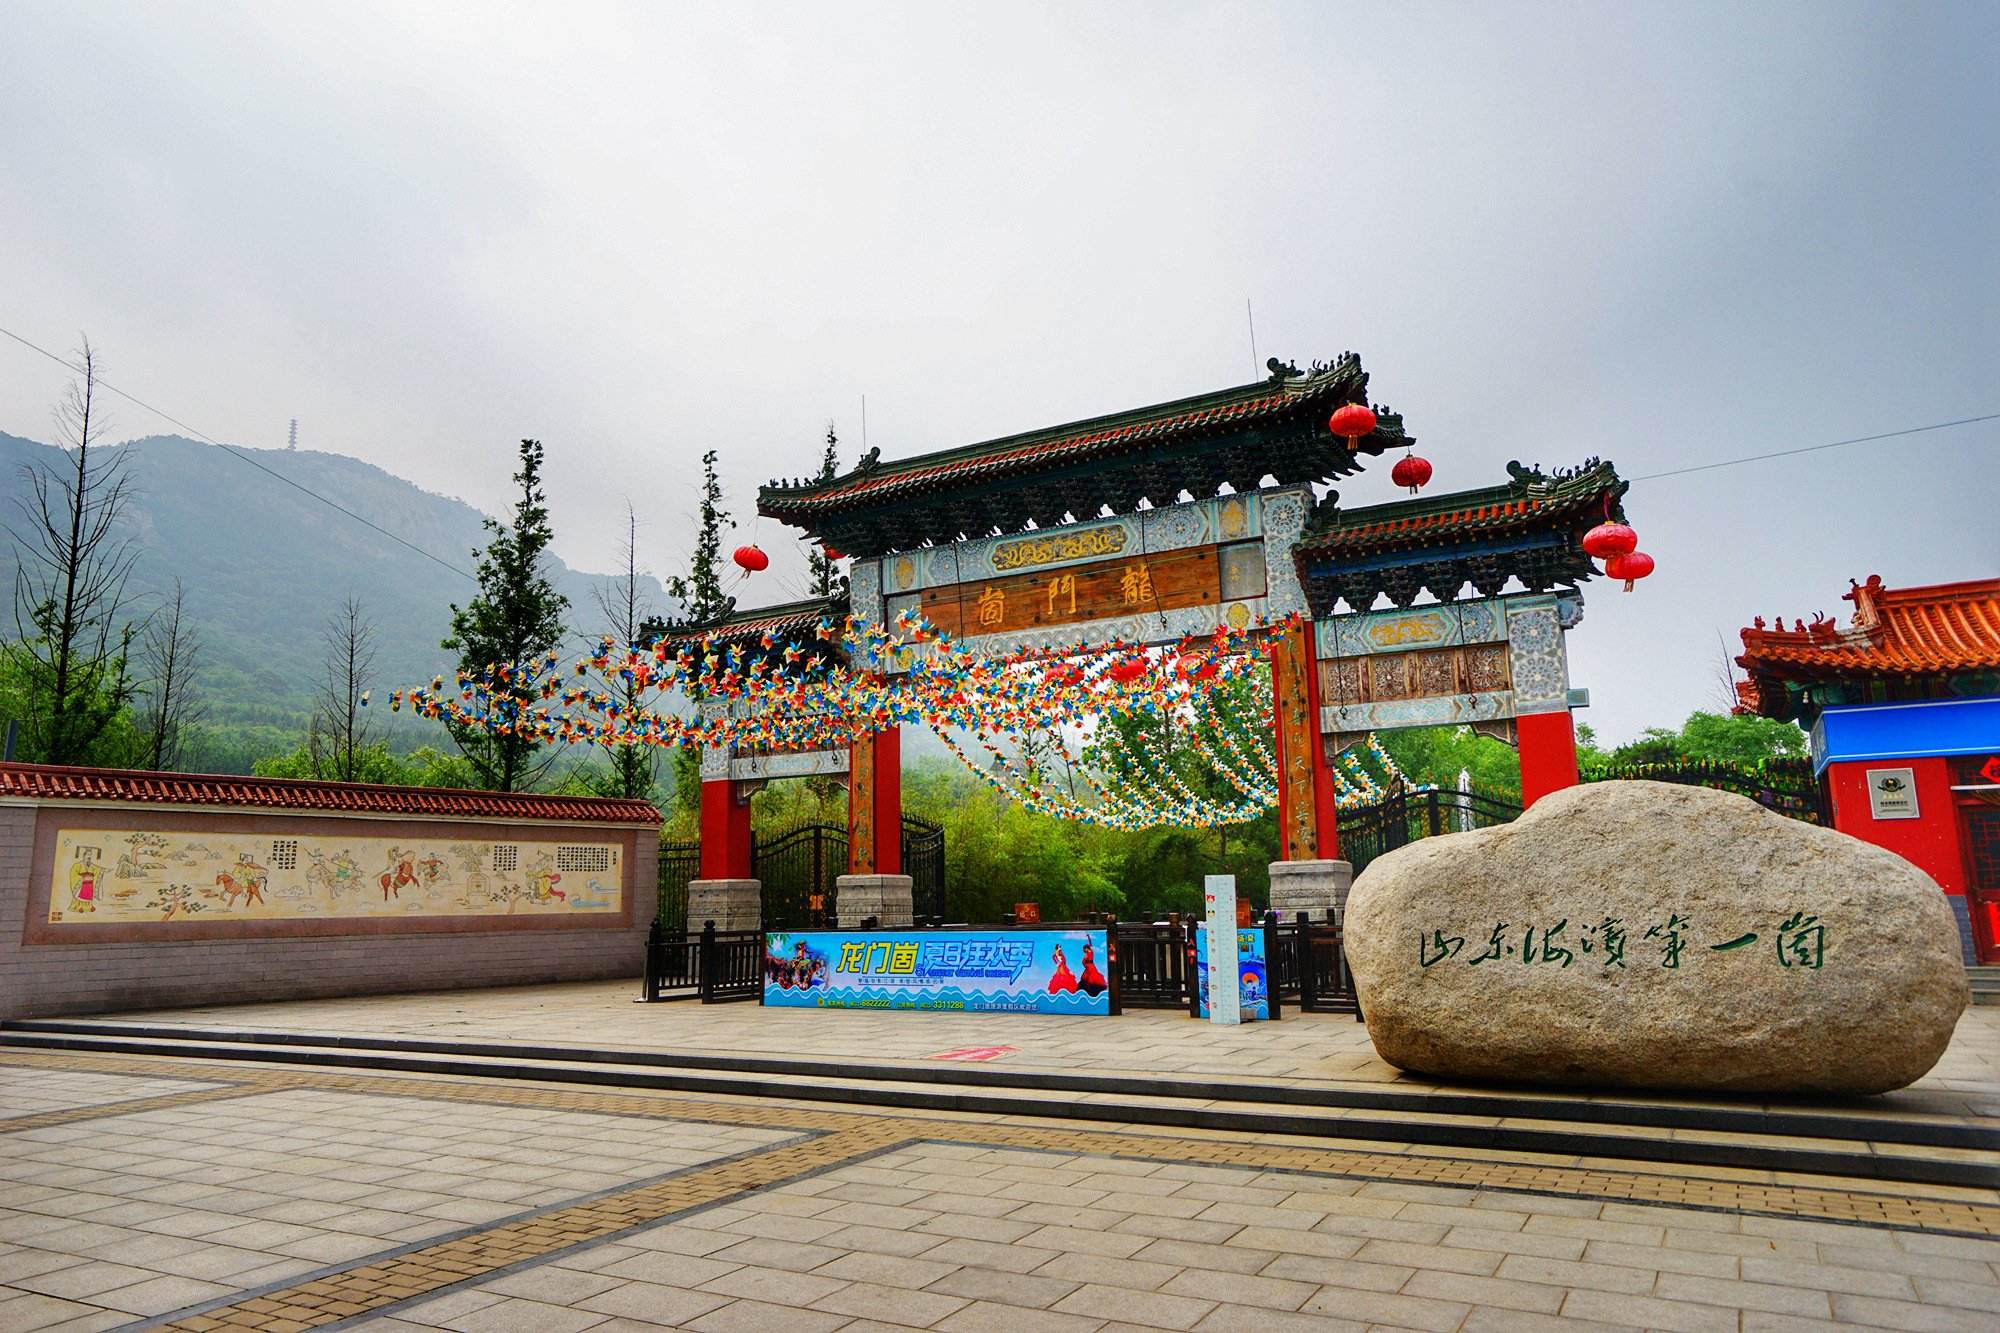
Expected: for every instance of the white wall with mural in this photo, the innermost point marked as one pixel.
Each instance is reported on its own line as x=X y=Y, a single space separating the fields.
x=111 y=875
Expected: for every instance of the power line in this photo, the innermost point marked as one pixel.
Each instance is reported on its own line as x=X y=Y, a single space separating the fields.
x=232 y=449
x=1814 y=448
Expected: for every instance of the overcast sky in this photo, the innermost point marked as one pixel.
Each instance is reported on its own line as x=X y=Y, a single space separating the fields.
x=1666 y=235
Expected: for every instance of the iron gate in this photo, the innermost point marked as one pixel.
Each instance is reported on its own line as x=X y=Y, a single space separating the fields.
x=923 y=862
x=797 y=869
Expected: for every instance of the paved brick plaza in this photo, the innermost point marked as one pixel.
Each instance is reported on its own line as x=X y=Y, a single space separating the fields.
x=208 y=1194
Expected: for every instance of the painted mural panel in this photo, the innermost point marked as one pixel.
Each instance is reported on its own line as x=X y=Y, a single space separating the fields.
x=107 y=876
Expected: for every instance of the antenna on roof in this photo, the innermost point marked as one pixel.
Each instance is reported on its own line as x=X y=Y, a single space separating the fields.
x=864 y=423
x=1256 y=366
x=293 y=443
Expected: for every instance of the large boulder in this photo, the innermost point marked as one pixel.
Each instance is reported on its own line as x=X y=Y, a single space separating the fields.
x=1639 y=934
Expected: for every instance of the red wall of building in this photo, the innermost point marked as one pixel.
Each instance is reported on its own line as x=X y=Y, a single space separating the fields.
x=1930 y=842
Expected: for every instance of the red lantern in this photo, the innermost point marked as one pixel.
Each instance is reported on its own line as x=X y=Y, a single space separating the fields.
x=1609 y=539
x=751 y=558
x=1352 y=420
x=1631 y=566
x=1411 y=471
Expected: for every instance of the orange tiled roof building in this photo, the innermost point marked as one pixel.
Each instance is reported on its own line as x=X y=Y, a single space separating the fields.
x=1904 y=708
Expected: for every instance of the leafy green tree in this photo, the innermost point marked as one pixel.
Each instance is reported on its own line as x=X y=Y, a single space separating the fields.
x=1741 y=740
x=515 y=620
x=1162 y=868
x=1717 y=737
x=375 y=762
x=1435 y=756
x=997 y=854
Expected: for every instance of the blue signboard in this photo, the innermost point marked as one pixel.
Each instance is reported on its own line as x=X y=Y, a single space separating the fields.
x=1251 y=965
x=1915 y=730
x=982 y=971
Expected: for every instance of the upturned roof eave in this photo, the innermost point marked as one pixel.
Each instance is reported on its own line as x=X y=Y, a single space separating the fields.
x=1345 y=376
x=1433 y=520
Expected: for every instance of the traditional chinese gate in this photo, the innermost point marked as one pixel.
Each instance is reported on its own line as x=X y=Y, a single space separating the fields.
x=986 y=543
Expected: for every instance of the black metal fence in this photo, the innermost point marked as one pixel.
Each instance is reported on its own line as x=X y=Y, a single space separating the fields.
x=680 y=862
x=710 y=965
x=1784 y=784
x=1150 y=964
x=1367 y=831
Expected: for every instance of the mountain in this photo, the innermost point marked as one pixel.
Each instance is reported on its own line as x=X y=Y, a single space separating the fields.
x=264 y=565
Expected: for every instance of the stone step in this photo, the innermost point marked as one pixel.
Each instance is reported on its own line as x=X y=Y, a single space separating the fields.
x=1905 y=1148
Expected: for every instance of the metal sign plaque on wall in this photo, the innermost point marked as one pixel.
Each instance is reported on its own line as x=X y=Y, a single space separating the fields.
x=1892 y=793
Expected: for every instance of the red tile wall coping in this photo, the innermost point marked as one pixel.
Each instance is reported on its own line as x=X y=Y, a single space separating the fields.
x=55 y=782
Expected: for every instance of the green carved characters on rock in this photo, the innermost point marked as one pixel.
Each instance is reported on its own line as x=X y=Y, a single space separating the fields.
x=1798 y=942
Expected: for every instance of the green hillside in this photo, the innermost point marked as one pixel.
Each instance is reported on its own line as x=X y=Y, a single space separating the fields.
x=264 y=565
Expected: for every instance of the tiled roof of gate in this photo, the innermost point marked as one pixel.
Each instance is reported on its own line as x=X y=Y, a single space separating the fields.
x=1531 y=501
x=1047 y=477
x=788 y=619
x=1936 y=629
x=56 y=782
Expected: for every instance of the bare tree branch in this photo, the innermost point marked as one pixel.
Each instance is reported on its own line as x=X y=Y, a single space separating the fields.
x=171 y=655
x=340 y=723
x=72 y=641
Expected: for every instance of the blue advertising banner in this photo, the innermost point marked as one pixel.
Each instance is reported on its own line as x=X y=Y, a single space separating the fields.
x=981 y=971
x=1252 y=974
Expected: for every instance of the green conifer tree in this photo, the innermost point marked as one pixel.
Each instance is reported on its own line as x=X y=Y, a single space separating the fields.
x=822 y=574
x=516 y=619
x=700 y=590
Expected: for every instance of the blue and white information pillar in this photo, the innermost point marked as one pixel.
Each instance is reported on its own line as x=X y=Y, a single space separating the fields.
x=1224 y=1004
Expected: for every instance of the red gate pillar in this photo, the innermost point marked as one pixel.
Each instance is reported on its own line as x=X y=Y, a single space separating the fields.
x=874 y=885
x=1308 y=828
x=1548 y=753
x=875 y=804
x=725 y=832
x=1308 y=875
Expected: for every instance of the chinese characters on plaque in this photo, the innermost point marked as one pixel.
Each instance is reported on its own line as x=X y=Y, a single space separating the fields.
x=1058 y=595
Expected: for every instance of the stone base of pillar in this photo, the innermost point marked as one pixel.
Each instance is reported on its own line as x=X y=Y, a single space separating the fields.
x=1309 y=886
x=887 y=898
x=732 y=904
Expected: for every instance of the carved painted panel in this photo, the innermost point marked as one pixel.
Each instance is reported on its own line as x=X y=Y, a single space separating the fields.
x=121 y=876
